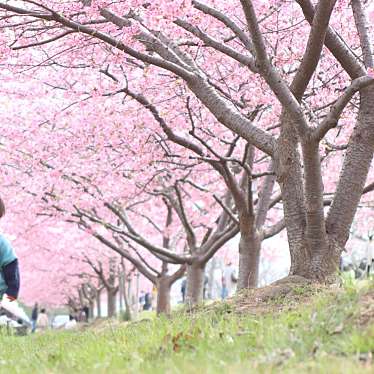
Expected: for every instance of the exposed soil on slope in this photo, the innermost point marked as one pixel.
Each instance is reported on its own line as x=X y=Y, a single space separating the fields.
x=365 y=315
x=285 y=294
x=289 y=293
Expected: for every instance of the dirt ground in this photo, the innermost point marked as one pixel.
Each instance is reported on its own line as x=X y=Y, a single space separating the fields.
x=366 y=310
x=288 y=294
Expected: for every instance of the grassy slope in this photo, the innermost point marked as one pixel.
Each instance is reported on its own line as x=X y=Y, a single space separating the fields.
x=323 y=336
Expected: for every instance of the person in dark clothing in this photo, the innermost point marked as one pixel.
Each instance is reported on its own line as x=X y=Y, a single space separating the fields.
x=206 y=283
x=86 y=311
x=34 y=317
x=370 y=256
x=9 y=272
x=183 y=289
x=147 y=301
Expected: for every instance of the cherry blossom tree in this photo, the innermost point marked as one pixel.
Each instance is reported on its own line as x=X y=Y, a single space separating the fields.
x=249 y=213
x=186 y=237
x=183 y=43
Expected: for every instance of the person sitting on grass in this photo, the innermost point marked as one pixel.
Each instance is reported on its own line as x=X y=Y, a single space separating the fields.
x=9 y=271
x=71 y=324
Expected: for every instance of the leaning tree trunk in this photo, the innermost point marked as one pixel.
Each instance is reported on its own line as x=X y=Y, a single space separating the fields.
x=163 y=295
x=195 y=283
x=357 y=161
x=249 y=259
x=112 y=303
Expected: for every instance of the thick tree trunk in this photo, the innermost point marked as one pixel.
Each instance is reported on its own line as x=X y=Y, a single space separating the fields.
x=317 y=240
x=195 y=283
x=310 y=246
x=163 y=295
x=316 y=247
x=249 y=259
x=112 y=303
x=289 y=176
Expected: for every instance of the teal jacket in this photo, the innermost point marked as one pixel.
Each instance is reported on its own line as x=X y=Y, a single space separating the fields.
x=7 y=255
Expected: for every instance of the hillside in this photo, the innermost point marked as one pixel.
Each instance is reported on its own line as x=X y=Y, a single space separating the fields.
x=306 y=329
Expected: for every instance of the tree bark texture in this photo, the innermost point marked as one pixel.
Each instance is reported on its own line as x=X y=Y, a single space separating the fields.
x=249 y=258
x=112 y=303
x=195 y=283
x=289 y=176
x=354 y=172
x=163 y=295
x=98 y=304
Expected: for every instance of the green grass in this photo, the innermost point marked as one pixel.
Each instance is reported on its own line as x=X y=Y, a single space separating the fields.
x=321 y=337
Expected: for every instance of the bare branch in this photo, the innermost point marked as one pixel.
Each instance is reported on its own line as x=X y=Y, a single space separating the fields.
x=335 y=44
x=51 y=40
x=227 y=21
x=314 y=47
x=114 y=18
x=363 y=29
x=336 y=110
x=274 y=230
x=226 y=209
x=116 y=43
x=217 y=45
x=270 y=74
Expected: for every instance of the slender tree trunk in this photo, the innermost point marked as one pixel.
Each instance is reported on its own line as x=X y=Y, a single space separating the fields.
x=163 y=295
x=195 y=283
x=137 y=294
x=98 y=304
x=249 y=259
x=121 y=290
x=91 y=308
x=126 y=294
x=81 y=297
x=112 y=303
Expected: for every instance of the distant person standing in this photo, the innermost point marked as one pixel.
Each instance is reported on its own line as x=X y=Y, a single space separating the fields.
x=42 y=322
x=147 y=301
x=183 y=289
x=86 y=311
x=229 y=280
x=34 y=317
x=154 y=297
x=205 y=288
x=216 y=292
x=9 y=272
x=141 y=300
x=369 y=255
